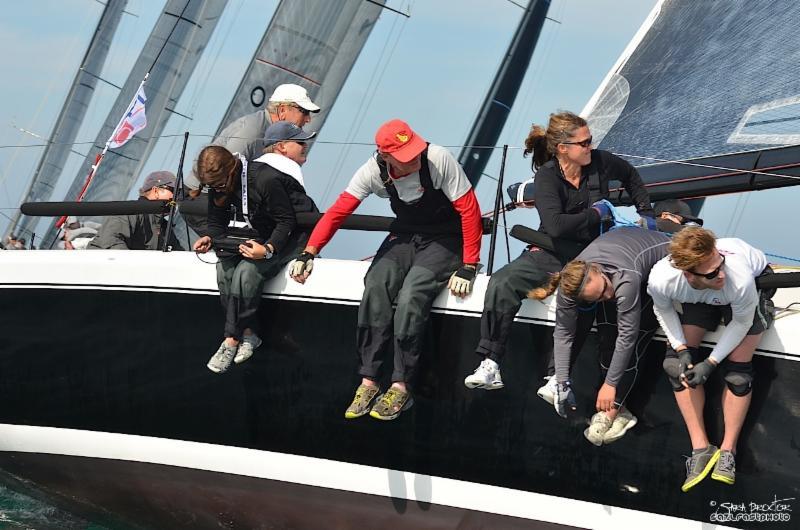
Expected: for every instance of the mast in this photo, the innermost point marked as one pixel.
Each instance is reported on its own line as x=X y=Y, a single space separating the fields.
x=500 y=98
x=71 y=116
x=170 y=55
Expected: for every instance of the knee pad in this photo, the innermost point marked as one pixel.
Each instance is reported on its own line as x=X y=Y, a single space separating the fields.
x=738 y=377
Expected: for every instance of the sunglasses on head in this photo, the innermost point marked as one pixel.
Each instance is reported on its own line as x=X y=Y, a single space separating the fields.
x=583 y=143
x=713 y=274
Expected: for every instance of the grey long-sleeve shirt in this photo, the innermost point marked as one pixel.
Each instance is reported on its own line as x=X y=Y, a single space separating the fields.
x=626 y=256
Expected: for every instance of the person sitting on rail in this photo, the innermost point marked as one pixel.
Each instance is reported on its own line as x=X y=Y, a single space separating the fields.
x=143 y=231
x=426 y=188
x=571 y=180
x=610 y=273
x=252 y=225
x=713 y=280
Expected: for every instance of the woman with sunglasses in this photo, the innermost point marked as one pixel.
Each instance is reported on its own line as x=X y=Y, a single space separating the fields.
x=570 y=179
x=611 y=274
x=256 y=202
x=714 y=281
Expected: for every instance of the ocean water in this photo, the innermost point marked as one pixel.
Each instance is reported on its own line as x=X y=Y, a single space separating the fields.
x=21 y=511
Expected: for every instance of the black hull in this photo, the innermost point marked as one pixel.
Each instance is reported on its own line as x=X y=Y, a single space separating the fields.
x=134 y=363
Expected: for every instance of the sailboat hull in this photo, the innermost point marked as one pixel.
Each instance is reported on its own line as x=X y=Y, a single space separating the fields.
x=107 y=402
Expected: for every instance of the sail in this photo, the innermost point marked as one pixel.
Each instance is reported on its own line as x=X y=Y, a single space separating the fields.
x=703 y=79
x=170 y=54
x=71 y=116
x=309 y=43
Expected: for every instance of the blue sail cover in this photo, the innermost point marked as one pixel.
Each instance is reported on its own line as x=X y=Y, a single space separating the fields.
x=703 y=78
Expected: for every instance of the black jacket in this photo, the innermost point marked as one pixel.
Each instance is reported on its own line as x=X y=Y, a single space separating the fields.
x=273 y=200
x=565 y=212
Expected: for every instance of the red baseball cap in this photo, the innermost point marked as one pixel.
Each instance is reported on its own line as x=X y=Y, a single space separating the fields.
x=396 y=138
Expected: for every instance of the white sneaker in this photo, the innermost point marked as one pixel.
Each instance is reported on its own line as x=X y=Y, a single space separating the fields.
x=246 y=348
x=599 y=426
x=485 y=376
x=624 y=422
x=221 y=360
x=548 y=390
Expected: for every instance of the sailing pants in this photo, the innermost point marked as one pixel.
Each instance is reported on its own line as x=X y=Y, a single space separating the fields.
x=607 y=339
x=508 y=287
x=241 y=282
x=409 y=270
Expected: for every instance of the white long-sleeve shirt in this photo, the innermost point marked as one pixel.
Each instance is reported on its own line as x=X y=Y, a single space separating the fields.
x=742 y=264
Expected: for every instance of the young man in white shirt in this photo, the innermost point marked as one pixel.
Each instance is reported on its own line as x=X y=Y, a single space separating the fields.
x=714 y=280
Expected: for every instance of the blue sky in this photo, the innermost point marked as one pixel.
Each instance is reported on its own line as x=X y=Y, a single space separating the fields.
x=432 y=69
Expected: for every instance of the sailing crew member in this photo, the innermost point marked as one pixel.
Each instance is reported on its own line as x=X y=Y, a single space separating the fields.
x=571 y=180
x=714 y=280
x=426 y=187
x=611 y=273
x=257 y=201
x=143 y=231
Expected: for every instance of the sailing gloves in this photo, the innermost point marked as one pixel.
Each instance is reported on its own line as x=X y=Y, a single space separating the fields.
x=564 y=399
x=699 y=373
x=301 y=267
x=675 y=365
x=461 y=281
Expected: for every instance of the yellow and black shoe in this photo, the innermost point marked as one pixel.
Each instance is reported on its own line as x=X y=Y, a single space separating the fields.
x=698 y=466
x=725 y=468
x=362 y=401
x=391 y=404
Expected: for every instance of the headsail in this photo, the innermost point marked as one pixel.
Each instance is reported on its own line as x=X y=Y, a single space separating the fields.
x=703 y=79
x=309 y=43
x=71 y=116
x=170 y=54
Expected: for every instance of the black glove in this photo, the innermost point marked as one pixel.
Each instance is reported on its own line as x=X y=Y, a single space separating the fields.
x=461 y=281
x=698 y=374
x=676 y=363
x=564 y=400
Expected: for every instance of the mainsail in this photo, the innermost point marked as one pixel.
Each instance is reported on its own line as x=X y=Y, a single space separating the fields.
x=703 y=79
x=71 y=116
x=309 y=43
x=170 y=54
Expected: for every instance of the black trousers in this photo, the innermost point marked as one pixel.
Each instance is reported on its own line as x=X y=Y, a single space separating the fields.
x=508 y=287
x=410 y=271
x=607 y=339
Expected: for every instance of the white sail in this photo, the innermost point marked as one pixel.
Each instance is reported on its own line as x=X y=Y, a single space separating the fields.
x=309 y=43
x=170 y=54
x=71 y=116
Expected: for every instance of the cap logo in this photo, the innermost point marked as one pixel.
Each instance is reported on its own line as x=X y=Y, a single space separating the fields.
x=402 y=138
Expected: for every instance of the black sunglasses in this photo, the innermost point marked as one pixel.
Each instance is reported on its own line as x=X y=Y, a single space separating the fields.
x=304 y=112
x=713 y=274
x=582 y=143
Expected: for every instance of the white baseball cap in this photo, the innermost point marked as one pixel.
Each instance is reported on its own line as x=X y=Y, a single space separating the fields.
x=293 y=94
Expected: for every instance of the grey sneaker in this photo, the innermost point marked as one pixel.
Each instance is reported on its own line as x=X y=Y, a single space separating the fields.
x=249 y=344
x=485 y=376
x=624 y=422
x=221 y=360
x=698 y=465
x=548 y=390
x=725 y=468
x=391 y=404
x=362 y=401
x=598 y=427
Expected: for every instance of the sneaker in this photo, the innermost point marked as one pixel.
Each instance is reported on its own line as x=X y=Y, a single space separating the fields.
x=548 y=390
x=485 y=376
x=725 y=468
x=598 y=427
x=362 y=401
x=388 y=406
x=698 y=465
x=249 y=344
x=221 y=360
x=624 y=422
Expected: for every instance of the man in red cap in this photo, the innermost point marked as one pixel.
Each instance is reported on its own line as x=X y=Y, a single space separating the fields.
x=441 y=237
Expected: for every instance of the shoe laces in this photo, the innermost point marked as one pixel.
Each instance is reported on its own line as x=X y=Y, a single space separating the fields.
x=390 y=398
x=727 y=462
x=485 y=368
